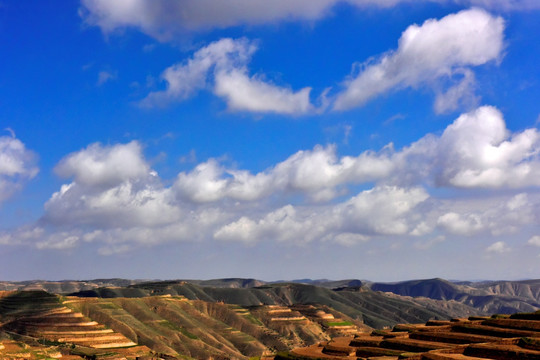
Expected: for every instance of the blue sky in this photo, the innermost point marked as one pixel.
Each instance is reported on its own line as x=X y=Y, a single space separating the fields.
x=382 y=140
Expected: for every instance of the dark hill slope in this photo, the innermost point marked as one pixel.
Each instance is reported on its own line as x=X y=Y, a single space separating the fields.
x=438 y=289
x=489 y=297
x=373 y=308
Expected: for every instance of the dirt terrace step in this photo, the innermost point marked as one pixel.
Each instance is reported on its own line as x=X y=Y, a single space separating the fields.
x=502 y=352
x=57 y=311
x=339 y=350
x=452 y=337
x=439 y=322
x=530 y=343
x=492 y=331
x=412 y=345
x=407 y=327
x=514 y=324
x=442 y=356
x=366 y=340
x=70 y=333
x=95 y=338
x=68 y=328
x=62 y=315
x=368 y=351
x=53 y=320
x=435 y=328
x=63 y=324
x=113 y=345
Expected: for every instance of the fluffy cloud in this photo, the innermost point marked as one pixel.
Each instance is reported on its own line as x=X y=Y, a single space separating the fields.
x=223 y=65
x=114 y=198
x=499 y=247
x=244 y=93
x=17 y=165
x=475 y=151
x=164 y=19
x=468 y=38
x=315 y=173
x=99 y=165
x=505 y=4
x=379 y=211
x=112 y=186
x=495 y=216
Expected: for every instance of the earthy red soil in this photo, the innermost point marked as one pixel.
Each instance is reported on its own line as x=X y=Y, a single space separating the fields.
x=474 y=338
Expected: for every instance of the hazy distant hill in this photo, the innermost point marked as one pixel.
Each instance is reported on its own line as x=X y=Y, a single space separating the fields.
x=64 y=286
x=489 y=296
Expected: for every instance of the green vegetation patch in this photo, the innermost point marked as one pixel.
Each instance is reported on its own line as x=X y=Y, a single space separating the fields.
x=339 y=323
x=110 y=306
x=90 y=353
x=47 y=342
x=188 y=334
x=408 y=355
x=170 y=325
x=500 y=316
x=530 y=343
x=252 y=319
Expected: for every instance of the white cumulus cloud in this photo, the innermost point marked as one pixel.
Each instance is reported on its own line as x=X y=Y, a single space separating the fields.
x=99 y=165
x=379 y=211
x=114 y=199
x=499 y=247
x=315 y=173
x=437 y=49
x=477 y=150
x=112 y=186
x=17 y=165
x=222 y=66
x=165 y=19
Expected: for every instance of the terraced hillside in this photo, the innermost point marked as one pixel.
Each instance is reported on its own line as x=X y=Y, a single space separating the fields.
x=39 y=319
x=177 y=326
x=372 y=308
x=476 y=338
x=172 y=326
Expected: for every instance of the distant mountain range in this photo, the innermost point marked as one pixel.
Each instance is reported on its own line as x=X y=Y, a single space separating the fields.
x=375 y=304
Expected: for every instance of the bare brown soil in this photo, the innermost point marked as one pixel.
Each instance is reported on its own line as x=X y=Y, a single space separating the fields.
x=477 y=338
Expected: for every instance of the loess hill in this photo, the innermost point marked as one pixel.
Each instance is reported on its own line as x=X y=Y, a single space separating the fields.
x=229 y=318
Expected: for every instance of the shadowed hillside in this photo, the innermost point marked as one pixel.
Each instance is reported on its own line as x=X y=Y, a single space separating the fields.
x=372 y=308
x=505 y=297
